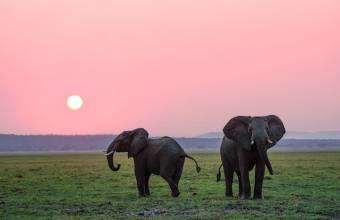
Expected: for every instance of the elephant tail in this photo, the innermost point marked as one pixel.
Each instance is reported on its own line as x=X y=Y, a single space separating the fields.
x=198 y=169
x=218 y=175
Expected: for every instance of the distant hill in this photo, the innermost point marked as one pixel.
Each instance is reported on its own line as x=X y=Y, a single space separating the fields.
x=288 y=135
x=211 y=135
x=313 y=135
x=97 y=143
x=9 y=143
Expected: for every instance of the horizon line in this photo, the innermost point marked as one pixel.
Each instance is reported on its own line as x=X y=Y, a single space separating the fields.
x=102 y=134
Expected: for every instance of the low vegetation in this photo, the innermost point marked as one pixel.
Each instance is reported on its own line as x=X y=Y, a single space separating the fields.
x=81 y=186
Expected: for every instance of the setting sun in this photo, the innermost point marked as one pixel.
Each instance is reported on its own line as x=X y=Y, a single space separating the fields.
x=74 y=102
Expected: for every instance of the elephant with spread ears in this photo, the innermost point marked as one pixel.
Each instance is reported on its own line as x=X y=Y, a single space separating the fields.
x=160 y=156
x=244 y=145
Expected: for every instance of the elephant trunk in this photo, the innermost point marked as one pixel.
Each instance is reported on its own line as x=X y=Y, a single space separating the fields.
x=109 y=156
x=261 y=148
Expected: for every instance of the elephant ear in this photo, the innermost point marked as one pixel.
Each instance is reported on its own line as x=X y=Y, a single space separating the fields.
x=276 y=129
x=139 y=141
x=237 y=130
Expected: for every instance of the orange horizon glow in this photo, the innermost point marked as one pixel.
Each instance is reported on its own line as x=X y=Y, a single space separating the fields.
x=177 y=68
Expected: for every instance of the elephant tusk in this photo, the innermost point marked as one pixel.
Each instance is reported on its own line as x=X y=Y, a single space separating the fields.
x=107 y=154
x=269 y=141
x=252 y=142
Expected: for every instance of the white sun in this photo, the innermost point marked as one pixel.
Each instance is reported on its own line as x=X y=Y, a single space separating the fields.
x=74 y=102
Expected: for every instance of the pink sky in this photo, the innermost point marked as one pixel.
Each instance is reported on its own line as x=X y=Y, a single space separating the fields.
x=175 y=67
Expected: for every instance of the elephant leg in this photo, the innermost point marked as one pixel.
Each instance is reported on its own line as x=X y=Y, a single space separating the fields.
x=245 y=184
x=140 y=181
x=259 y=174
x=173 y=186
x=146 y=183
x=244 y=166
x=178 y=173
x=228 y=174
x=239 y=183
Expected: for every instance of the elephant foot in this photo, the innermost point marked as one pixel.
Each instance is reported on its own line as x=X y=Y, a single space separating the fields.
x=245 y=197
x=175 y=193
x=229 y=194
x=256 y=197
x=147 y=193
x=142 y=195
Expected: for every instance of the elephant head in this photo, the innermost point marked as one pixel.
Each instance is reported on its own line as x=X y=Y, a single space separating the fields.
x=128 y=141
x=260 y=132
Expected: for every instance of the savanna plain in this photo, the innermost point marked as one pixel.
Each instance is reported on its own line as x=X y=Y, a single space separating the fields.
x=306 y=185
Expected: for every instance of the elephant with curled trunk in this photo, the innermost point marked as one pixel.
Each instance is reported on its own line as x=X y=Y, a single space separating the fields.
x=160 y=156
x=245 y=145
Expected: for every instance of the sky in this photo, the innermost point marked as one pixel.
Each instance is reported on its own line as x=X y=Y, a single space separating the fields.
x=178 y=68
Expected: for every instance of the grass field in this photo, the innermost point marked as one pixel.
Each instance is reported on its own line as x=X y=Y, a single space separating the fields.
x=81 y=186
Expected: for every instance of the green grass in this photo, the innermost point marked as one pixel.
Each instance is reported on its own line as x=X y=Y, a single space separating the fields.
x=81 y=186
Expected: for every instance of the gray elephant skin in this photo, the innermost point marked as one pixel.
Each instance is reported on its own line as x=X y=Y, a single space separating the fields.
x=244 y=146
x=159 y=156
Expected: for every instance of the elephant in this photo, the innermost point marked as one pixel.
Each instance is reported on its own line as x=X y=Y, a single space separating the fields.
x=244 y=145
x=160 y=156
